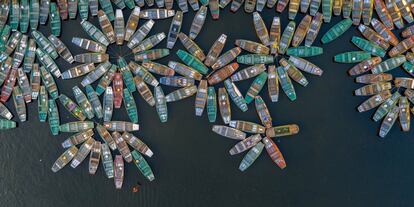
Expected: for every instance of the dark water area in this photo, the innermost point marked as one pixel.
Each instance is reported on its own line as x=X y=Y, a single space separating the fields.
x=337 y=159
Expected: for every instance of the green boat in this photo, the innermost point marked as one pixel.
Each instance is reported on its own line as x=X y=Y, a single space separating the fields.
x=142 y=165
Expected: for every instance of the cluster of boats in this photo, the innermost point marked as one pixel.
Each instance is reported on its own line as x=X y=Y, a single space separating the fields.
x=276 y=59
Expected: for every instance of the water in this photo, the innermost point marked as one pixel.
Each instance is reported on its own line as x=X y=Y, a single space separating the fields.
x=336 y=159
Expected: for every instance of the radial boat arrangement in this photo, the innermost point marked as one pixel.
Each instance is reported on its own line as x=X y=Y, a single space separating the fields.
x=381 y=53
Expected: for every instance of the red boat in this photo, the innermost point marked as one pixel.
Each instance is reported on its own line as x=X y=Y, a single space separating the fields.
x=118 y=86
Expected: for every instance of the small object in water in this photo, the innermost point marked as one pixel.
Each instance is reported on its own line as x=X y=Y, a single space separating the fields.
x=136 y=188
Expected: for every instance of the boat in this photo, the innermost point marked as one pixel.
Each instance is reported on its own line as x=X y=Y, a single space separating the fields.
x=119 y=171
